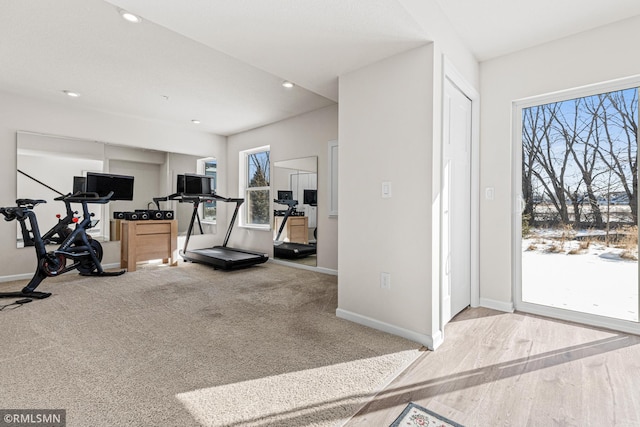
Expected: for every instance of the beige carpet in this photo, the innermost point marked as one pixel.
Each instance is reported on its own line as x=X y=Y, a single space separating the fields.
x=191 y=346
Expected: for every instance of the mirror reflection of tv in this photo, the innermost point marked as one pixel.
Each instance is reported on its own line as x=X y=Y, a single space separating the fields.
x=180 y=184
x=103 y=183
x=79 y=184
x=197 y=184
x=285 y=195
x=310 y=197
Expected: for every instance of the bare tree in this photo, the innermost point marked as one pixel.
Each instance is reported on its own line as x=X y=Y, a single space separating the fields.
x=620 y=151
x=579 y=151
x=580 y=132
x=548 y=160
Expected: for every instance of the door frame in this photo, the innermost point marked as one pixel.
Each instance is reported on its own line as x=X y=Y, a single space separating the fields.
x=516 y=212
x=449 y=72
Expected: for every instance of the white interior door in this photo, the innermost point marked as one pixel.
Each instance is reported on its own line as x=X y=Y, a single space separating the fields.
x=456 y=202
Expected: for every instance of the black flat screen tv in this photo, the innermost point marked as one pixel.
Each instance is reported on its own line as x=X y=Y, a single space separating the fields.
x=310 y=197
x=285 y=195
x=103 y=183
x=196 y=184
x=180 y=184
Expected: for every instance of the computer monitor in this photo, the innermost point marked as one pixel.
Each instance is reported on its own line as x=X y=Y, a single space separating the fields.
x=103 y=183
x=310 y=197
x=285 y=195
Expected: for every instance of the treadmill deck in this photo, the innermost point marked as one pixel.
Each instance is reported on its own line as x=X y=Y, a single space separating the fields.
x=225 y=258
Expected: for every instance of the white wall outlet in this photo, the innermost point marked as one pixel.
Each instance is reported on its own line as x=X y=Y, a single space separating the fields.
x=385 y=280
x=386 y=190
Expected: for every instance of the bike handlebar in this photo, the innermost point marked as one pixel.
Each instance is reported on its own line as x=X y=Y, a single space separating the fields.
x=62 y=198
x=83 y=197
x=14 y=212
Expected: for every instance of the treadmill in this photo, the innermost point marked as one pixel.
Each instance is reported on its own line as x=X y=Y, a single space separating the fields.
x=290 y=250
x=219 y=257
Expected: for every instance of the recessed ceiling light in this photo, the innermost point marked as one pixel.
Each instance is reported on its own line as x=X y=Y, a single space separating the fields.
x=195 y=121
x=287 y=84
x=128 y=16
x=71 y=93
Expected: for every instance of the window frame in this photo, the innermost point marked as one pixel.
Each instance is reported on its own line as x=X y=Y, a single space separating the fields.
x=243 y=188
x=517 y=204
x=200 y=168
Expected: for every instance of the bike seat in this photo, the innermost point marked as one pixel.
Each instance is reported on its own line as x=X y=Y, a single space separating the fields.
x=29 y=202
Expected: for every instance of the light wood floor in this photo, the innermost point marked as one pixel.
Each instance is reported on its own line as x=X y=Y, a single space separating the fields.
x=504 y=369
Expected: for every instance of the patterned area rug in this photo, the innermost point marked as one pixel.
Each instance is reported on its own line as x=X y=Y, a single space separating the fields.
x=416 y=415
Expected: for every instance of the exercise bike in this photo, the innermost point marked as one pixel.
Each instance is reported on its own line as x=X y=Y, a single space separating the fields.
x=60 y=230
x=58 y=233
x=78 y=251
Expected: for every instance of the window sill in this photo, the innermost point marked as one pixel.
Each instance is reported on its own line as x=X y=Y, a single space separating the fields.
x=256 y=227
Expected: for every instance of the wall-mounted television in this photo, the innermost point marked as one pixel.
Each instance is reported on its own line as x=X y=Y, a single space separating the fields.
x=103 y=183
x=310 y=197
x=285 y=195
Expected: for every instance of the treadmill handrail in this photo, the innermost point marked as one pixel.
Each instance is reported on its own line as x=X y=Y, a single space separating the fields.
x=173 y=196
x=292 y=207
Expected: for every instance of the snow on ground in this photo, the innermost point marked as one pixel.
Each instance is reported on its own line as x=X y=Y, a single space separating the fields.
x=595 y=280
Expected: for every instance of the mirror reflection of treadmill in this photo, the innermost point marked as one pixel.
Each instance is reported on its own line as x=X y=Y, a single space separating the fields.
x=290 y=250
x=219 y=257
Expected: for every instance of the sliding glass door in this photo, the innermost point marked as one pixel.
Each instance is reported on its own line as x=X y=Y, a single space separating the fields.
x=577 y=220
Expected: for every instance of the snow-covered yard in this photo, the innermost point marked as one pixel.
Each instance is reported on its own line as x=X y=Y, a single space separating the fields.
x=571 y=274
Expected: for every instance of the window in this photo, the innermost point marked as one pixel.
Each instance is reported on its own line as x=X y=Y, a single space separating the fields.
x=255 y=180
x=209 y=167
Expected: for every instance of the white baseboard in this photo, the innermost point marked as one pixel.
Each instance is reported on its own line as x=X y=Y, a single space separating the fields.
x=507 y=307
x=16 y=277
x=25 y=276
x=431 y=342
x=305 y=267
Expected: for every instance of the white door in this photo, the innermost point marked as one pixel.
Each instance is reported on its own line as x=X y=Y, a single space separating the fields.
x=456 y=202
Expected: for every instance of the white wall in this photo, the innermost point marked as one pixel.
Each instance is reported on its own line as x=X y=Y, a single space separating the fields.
x=591 y=57
x=391 y=130
x=301 y=136
x=64 y=119
x=386 y=134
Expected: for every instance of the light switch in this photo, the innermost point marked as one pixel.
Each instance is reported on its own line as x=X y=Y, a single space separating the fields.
x=489 y=193
x=386 y=189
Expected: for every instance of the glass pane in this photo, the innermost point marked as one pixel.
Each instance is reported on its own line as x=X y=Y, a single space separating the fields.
x=209 y=209
x=579 y=224
x=258 y=207
x=258 y=169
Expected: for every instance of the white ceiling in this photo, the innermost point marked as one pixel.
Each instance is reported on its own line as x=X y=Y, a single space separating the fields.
x=492 y=28
x=222 y=62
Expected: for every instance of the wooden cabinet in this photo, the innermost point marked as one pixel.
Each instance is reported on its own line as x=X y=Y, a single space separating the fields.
x=147 y=240
x=114 y=230
x=296 y=230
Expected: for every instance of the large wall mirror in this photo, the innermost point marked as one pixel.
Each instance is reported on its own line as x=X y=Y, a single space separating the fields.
x=295 y=185
x=47 y=165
